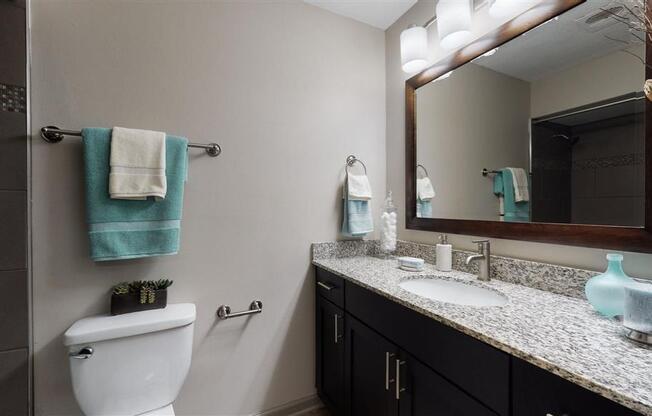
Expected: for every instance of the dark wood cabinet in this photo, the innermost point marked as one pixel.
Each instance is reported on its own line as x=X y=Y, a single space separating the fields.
x=370 y=376
x=376 y=357
x=330 y=354
x=426 y=393
x=539 y=392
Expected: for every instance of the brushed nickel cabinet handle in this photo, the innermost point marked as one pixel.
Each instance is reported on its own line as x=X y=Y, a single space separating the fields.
x=388 y=355
x=325 y=286
x=399 y=389
x=337 y=331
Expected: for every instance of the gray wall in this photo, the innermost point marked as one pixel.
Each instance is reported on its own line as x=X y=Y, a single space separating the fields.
x=477 y=116
x=14 y=286
x=635 y=263
x=289 y=91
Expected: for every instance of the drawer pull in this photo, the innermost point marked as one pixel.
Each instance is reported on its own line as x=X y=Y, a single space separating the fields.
x=388 y=355
x=399 y=389
x=325 y=286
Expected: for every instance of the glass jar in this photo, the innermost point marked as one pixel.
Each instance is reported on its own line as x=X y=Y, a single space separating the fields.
x=388 y=227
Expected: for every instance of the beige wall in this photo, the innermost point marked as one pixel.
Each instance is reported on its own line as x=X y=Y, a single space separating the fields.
x=289 y=91
x=610 y=76
x=635 y=263
x=458 y=120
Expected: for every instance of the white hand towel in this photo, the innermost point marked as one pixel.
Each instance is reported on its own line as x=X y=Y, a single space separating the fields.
x=521 y=185
x=137 y=164
x=358 y=187
x=425 y=191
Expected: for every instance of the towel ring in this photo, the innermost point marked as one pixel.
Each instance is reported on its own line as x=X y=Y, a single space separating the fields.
x=424 y=169
x=351 y=160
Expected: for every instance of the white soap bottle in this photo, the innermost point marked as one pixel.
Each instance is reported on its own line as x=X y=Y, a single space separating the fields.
x=444 y=254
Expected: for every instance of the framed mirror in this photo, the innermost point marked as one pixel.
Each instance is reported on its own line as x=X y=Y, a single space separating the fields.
x=537 y=131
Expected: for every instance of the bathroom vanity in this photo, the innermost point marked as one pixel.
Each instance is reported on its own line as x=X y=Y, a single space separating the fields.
x=382 y=350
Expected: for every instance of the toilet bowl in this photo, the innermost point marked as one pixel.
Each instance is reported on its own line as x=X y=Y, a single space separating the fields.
x=131 y=364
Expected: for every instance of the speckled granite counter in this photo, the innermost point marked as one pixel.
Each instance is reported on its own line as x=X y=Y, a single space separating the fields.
x=558 y=333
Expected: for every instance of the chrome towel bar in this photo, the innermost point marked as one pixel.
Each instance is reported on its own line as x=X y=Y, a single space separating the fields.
x=224 y=311
x=53 y=134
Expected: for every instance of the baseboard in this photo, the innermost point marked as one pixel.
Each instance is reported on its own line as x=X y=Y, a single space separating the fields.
x=293 y=408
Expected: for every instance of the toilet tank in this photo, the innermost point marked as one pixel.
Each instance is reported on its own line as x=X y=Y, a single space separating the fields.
x=139 y=360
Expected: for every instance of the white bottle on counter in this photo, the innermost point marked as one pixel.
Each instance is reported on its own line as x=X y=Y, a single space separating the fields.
x=444 y=254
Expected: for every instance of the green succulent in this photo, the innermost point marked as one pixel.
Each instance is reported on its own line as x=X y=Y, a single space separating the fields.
x=145 y=289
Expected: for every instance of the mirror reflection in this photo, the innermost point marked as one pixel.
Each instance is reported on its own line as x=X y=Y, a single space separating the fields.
x=546 y=128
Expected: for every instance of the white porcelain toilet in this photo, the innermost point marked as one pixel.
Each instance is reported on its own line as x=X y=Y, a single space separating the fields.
x=131 y=364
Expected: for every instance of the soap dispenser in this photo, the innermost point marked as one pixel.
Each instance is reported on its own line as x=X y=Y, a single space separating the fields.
x=444 y=254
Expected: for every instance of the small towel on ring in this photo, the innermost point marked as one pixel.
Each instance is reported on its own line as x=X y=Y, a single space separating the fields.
x=425 y=191
x=357 y=188
x=137 y=164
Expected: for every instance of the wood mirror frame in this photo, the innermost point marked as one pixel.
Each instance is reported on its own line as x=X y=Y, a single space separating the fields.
x=603 y=236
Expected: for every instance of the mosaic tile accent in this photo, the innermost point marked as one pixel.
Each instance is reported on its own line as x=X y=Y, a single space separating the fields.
x=13 y=98
x=560 y=334
x=610 y=162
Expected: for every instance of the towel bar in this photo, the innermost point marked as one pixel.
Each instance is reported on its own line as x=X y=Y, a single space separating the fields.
x=224 y=311
x=53 y=134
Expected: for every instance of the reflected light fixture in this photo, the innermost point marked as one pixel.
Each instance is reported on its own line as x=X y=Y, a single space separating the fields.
x=444 y=76
x=414 y=48
x=453 y=22
x=491 y=52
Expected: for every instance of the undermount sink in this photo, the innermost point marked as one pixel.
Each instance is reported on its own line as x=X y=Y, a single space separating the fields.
x=451 y=291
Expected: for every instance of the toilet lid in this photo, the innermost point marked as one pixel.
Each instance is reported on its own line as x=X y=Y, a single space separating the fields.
x=104 y=327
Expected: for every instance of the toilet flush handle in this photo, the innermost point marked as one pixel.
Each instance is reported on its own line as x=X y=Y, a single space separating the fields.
x=83 y=354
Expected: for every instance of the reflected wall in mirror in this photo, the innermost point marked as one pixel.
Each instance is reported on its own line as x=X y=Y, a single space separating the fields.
x=556 y=116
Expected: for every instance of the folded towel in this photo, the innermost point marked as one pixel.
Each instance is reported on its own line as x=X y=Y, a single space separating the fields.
x=358 y=187
x=122 y=229
x=357 y=217
x=521 y=184
x=137 y=164
x=425 y=191
x=503 y=188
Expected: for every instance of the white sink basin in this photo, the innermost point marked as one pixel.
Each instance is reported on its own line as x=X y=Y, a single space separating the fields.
x=451 y=291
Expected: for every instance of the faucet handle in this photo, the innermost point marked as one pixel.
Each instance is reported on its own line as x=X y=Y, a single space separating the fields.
x=482 y=244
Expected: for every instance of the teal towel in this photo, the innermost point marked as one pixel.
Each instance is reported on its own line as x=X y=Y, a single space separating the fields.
x=504 y=186
x=122 y=229
x=357 y=218
x=424 y=208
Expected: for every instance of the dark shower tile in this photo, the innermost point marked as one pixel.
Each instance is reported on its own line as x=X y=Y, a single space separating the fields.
x=13 y=226
x=13 y=151
x=13 y=310
x=12 y=43
x=14 y=388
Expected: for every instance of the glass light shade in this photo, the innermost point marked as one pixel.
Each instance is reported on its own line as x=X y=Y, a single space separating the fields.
x=453 y=23
x=414 y=49
x=502 y=8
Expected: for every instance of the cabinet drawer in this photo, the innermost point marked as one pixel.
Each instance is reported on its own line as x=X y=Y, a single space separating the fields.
x=477 y=368
x=330 y=286
x=539 y=392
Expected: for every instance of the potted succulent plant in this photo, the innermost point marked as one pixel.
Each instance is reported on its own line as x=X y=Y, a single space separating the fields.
x=139 y=295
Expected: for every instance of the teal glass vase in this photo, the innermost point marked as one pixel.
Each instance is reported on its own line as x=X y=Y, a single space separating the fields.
x=606 y=292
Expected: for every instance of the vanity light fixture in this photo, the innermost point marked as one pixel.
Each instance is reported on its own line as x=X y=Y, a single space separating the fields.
x=414 y=48
x=453 y=23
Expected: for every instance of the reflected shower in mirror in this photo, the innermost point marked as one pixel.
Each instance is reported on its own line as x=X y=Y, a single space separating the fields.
x=555 y=118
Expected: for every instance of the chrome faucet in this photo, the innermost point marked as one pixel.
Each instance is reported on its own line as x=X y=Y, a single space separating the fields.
x=484 y=259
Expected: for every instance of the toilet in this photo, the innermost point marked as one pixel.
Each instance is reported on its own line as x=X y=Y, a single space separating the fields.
x=131 y=364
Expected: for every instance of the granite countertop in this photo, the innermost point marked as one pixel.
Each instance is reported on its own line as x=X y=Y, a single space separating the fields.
x=558 y=333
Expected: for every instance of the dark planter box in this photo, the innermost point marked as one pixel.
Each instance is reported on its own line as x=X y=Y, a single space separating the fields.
x=131 y=302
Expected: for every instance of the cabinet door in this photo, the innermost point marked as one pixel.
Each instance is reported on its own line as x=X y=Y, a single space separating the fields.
x=330 y=355
x=539 y=392
x=369 y=372
x=423 y=392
